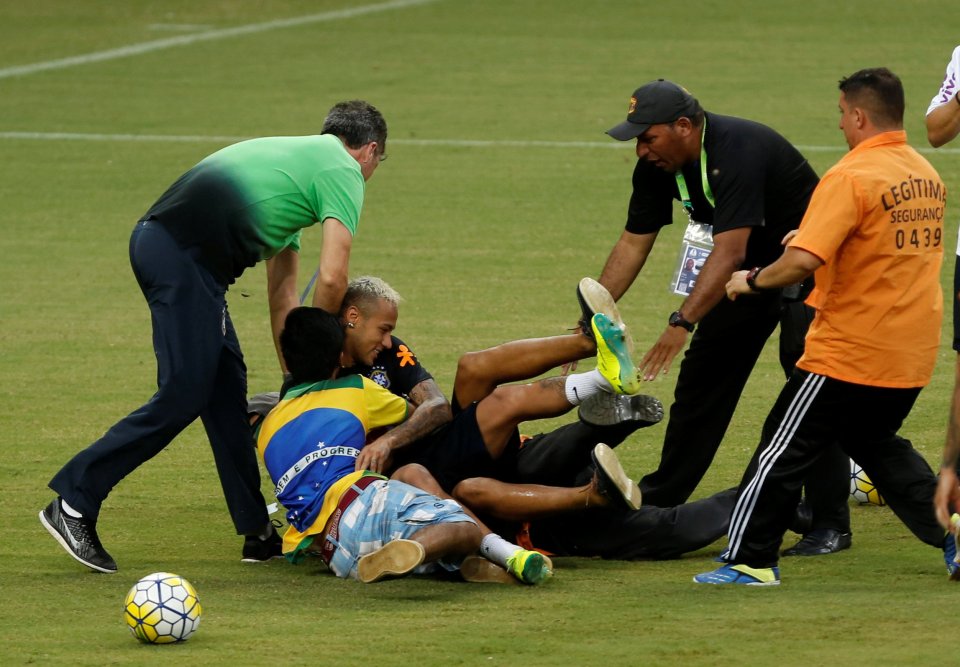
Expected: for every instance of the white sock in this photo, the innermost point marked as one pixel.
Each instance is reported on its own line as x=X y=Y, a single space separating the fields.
x=495 y=548
x=581 y=386
x=69 y=511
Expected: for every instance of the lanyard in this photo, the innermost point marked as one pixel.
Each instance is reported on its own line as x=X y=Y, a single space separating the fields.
x=682 y=183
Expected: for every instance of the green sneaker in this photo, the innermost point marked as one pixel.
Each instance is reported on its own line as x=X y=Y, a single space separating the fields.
x=530 y=567
x=613 y=356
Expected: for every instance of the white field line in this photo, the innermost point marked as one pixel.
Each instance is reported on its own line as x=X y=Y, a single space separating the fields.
x=455 y=143
x=210 y=35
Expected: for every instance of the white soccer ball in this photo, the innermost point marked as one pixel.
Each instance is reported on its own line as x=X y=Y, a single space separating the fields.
x=861 y=488
x=162 y=608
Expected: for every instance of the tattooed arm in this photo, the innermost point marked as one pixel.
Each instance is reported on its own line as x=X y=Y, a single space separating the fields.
x=432 y=411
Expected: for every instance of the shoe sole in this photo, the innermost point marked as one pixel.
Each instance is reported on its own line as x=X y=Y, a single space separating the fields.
x=737 y=583
x=66 y=546
x=614 y=341
x=609 y=465
x=479 y=570
x=605 y=409
x=258 y=560
x=595 y=298
x=394 y=559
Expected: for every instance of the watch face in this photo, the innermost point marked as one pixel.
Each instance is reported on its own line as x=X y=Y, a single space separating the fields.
x=676 y=320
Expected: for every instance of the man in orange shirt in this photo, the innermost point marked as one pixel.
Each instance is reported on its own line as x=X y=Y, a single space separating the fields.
x=873 y=233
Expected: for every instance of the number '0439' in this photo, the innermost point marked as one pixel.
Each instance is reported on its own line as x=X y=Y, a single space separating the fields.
x=923 y=237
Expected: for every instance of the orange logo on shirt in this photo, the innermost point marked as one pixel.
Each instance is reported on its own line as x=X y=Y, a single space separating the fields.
x=405 y=356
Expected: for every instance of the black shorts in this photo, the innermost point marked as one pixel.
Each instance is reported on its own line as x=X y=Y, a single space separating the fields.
x=457 y=452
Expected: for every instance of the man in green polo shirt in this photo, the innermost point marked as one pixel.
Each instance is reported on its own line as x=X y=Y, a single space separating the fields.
x=245 y=203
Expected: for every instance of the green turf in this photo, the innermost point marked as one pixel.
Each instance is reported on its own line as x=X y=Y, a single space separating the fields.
x=486 y=243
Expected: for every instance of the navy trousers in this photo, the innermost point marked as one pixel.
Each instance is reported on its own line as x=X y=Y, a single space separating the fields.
x=200 y=373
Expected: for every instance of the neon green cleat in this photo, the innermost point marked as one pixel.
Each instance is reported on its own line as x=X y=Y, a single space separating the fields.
x=613 y=356
x=530 y=567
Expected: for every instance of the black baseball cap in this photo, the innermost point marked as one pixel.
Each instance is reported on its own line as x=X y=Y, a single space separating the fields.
x=659 y=101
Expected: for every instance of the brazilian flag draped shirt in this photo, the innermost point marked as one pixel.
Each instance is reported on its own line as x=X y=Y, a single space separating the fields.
x=311 y=439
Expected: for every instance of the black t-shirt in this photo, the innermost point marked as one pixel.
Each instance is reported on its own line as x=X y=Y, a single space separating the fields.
x=757 y=177
x=396 y=369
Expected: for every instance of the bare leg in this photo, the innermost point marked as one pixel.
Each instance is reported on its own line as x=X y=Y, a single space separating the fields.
x=479 y=373
x=499 y=414
x=525 y=502
x=497 y=552
x=416 y=475
x=448 y=539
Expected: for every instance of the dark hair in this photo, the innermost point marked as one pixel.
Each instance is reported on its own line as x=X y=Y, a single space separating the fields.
x=357 y=123
x=310 y=342
x=880 y=92
x=696 y=118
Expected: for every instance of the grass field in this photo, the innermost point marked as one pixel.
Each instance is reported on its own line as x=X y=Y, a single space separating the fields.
x=500 y=193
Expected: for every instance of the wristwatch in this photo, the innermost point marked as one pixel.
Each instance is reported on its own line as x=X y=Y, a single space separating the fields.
x=752 y=279
x=676 y=320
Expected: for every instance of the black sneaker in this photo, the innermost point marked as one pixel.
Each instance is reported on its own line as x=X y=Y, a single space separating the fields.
x=606 y=409
x=256 y=550
x=78 y=536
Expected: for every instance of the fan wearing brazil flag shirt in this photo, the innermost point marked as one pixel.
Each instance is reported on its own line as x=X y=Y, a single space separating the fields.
x=245 y=203
x=361 y=524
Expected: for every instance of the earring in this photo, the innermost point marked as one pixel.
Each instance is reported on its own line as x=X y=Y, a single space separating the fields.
x=350 y=325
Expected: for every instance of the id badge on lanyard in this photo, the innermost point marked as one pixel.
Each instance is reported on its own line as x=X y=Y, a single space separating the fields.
x=698 y=237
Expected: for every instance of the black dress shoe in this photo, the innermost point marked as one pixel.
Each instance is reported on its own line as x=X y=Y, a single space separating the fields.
x=802 y=518
x=820 y=542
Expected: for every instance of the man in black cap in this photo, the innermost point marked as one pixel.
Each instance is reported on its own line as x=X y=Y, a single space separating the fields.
x=744 y=188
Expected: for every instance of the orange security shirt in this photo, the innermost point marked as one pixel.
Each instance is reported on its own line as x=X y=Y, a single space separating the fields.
x=876 y=221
